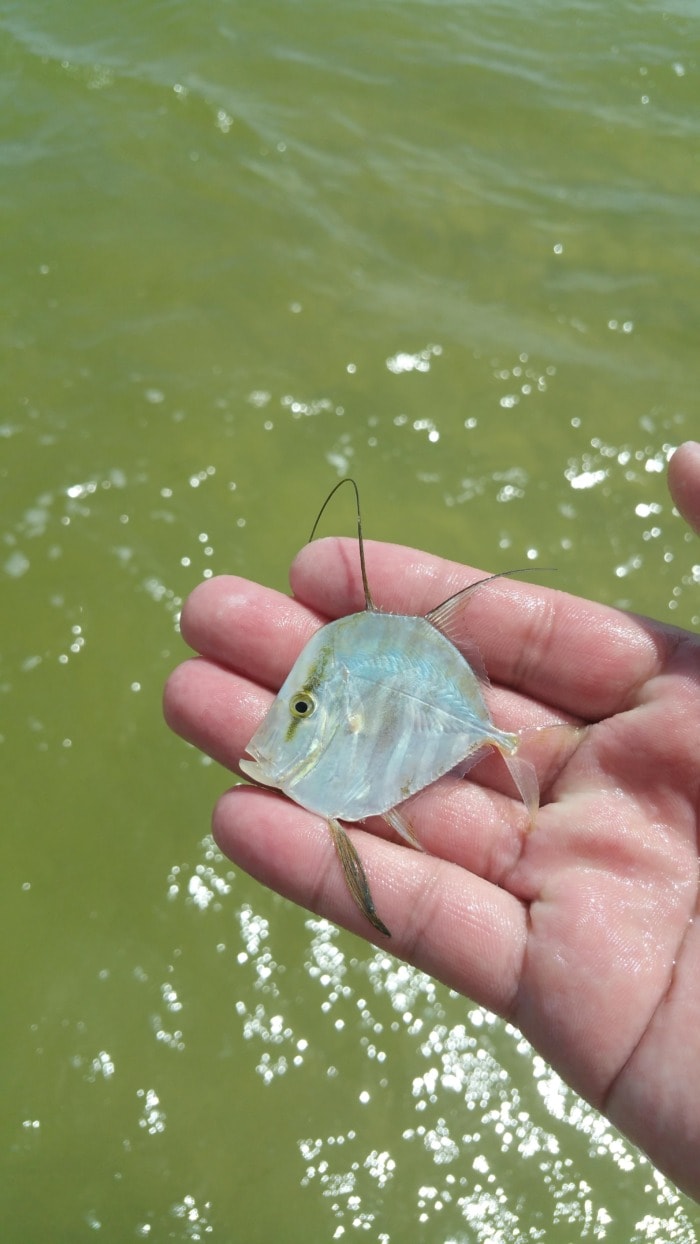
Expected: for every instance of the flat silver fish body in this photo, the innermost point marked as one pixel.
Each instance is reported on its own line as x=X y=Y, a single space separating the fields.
x=377 y=707
x=390 y=705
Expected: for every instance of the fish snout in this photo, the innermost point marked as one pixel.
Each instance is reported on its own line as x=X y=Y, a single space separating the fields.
x=256 y=771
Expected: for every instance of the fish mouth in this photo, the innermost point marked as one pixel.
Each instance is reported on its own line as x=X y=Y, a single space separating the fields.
x=262 y=770
x=255 y=770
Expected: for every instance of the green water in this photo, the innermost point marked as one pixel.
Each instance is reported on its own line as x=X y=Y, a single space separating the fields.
x=452 y=249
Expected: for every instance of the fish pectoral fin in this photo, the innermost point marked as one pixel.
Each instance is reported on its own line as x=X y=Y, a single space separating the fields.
x=355 y=875
x=397 y=821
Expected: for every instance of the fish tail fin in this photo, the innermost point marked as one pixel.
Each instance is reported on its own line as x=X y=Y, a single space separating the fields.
x=397 y=821
x=551 y=746
x=355 y=875
x=560 y=734
x=524 y=775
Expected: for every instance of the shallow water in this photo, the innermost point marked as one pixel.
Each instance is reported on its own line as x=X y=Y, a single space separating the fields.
x=247 y=249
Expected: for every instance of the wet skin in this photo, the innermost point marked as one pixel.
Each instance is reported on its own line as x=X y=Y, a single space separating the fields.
x=581 y=932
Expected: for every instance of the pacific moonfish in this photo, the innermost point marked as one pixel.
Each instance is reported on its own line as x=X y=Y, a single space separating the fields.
x=377 y=707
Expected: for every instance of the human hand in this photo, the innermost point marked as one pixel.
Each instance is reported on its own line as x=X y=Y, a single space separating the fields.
x=581 y=931
x=684 y=482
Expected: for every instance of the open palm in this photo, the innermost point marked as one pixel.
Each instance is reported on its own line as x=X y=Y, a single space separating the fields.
x=581 y=931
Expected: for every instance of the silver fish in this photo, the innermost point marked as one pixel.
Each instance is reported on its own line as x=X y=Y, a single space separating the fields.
x=377 y=707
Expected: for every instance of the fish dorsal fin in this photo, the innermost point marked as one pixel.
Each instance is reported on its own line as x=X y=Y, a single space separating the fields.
x=369 y=603
x=444 y=618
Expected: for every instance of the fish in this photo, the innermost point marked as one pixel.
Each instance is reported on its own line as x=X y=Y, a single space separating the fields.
x=377 y=707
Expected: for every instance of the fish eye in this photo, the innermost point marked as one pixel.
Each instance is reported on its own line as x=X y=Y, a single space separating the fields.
x=302 y=704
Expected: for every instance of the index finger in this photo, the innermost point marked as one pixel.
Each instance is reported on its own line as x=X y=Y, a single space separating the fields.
x=576 y=655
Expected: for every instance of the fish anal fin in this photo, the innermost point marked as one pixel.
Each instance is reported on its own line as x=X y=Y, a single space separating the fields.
x=398 y=822
x=355 y=875
x=461 y=770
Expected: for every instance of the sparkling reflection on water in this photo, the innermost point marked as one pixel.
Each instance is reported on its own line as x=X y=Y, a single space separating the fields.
x=509 y=1150
x=248 y=249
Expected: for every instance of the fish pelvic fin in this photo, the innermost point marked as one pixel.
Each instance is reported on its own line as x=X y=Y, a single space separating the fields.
x=398 y=822
x=355 y=875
